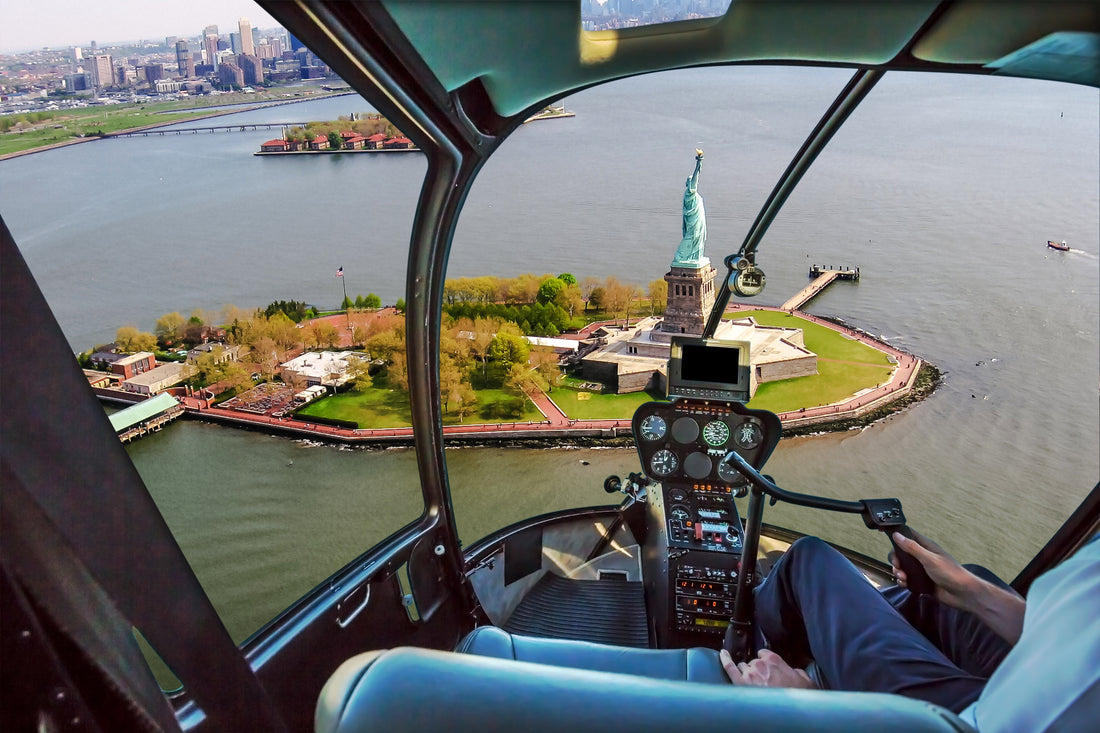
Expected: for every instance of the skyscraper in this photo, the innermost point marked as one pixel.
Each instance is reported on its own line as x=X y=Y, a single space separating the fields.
x=246 y=37
x=210 y=45
x=252 y=68
x=235 y=42
x=102 y=70
x=184 y=60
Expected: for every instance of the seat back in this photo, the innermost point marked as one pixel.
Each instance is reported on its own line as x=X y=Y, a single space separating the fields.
x=407 y=689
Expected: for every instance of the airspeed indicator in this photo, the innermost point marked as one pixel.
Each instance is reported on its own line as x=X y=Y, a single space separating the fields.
x=716 y=433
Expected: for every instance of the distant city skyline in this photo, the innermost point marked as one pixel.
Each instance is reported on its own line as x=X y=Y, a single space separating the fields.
x=29 y=26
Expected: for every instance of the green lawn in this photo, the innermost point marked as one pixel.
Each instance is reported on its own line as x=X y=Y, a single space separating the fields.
x=380 y=407
x=832 y=383
x=592 y=406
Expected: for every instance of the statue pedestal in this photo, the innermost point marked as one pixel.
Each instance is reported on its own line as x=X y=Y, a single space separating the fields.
x=690 y=299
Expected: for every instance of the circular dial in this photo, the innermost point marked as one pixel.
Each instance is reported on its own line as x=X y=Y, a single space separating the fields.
x=748 y=435
x=748 y=282
x=679 y=512
x=685 y=430
x=677 y=494
x=664 y=463
x=729 y=474
x=697 y=465
x=716 y=433
x=653 y=427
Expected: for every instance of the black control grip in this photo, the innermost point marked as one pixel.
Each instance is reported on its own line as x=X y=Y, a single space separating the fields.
x=916 y=577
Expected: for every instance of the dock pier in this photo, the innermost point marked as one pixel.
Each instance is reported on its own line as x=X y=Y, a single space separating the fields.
x=823 y=276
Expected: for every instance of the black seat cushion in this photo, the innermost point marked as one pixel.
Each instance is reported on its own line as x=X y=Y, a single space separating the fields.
x=406 y=689
x=689 y=665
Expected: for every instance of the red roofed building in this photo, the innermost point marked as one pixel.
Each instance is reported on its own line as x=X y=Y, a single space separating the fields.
x=319 y=143
x=353 y=142
x=375 y=141
x=272 y=146
x=398 y=143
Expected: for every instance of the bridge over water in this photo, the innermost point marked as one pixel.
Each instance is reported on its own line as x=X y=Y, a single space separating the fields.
x=206 y=128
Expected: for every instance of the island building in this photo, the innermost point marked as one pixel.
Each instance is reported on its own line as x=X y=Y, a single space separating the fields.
x=635 y=358
x=159 y=379
x=325 y=368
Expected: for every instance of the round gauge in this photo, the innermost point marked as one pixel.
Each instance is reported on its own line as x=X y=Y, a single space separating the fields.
x=664 y=463
x=716 y=433
x=677 y=494
x=748 y=282
x=748 y=435
x=653 y=427
x=729 y=474
x=679 y=512
x=685 y=430
x=697 y=465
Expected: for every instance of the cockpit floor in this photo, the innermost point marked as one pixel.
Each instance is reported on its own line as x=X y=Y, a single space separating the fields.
x=608 y=611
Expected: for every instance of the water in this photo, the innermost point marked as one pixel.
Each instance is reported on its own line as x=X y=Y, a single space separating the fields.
x=944 y=191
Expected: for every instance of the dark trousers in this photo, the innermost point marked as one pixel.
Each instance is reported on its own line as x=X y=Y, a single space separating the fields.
x=816 y=605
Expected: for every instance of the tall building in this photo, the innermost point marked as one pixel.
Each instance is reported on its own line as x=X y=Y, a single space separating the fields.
x=102 y=70
x=210 y=46
x=252 y=68
x=184 y=60
x=153 y=72
x=230 y=74
x=246 y=37
x=294 y=43
x=235 y=43
x=122 y=76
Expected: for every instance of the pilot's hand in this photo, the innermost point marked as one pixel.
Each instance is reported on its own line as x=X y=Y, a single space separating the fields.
x=953 y=581
x=767 y=670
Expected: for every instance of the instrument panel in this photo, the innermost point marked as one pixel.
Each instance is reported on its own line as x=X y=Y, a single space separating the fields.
x=685 y=440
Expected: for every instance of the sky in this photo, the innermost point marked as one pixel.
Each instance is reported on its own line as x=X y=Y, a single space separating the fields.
x=26 y=25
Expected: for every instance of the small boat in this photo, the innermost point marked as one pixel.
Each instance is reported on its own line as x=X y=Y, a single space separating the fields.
x=1063 y=247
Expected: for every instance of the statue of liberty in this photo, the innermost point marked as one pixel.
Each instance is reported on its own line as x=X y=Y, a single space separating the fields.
x=690 y=251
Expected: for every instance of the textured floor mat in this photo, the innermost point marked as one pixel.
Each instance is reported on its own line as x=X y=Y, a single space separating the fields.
x=608 y=611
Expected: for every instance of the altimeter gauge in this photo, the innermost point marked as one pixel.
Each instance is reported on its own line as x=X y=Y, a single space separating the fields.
x=653 y=427
x=716 y=433
x=664 y=463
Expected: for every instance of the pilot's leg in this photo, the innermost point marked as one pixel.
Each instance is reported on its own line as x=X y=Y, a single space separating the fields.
x=961 y=636
x=815 y=604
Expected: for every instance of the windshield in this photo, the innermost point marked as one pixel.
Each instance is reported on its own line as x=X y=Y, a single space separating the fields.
x=942 y=190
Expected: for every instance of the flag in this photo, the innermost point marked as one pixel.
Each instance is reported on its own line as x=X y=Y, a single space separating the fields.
x=339 y=272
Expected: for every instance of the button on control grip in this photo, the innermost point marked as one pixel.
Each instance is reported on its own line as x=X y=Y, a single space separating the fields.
x=885 y=515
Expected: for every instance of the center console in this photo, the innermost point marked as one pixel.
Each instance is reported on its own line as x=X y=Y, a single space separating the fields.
x=694 y=532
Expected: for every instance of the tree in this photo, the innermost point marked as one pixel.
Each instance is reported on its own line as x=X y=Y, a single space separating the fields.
x=168 y=328
x=451 y=381
x=522 y=380
x=359 y=371
x=567 y=278
x=334 y=140
x=509 y=347
x=588 y=286
x=658 y=296
x=596 y=298
x=129 y=340
x=549 y=291
x=400 y=305
x=372 y=301
x=616 y=296
x=347 y=303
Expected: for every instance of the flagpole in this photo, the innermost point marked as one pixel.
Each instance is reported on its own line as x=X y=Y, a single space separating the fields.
x=347 y=312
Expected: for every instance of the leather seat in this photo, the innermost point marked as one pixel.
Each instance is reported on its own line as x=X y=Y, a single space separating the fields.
x=406 y=689
x=688 y=665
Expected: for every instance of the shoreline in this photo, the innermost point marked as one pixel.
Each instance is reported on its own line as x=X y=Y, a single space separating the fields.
x=244 y=107
x=911 y=381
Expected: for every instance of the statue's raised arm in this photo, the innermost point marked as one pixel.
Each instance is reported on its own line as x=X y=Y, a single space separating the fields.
x=694 y=232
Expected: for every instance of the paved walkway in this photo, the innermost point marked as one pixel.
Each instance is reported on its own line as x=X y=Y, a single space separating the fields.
x=804 y=295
